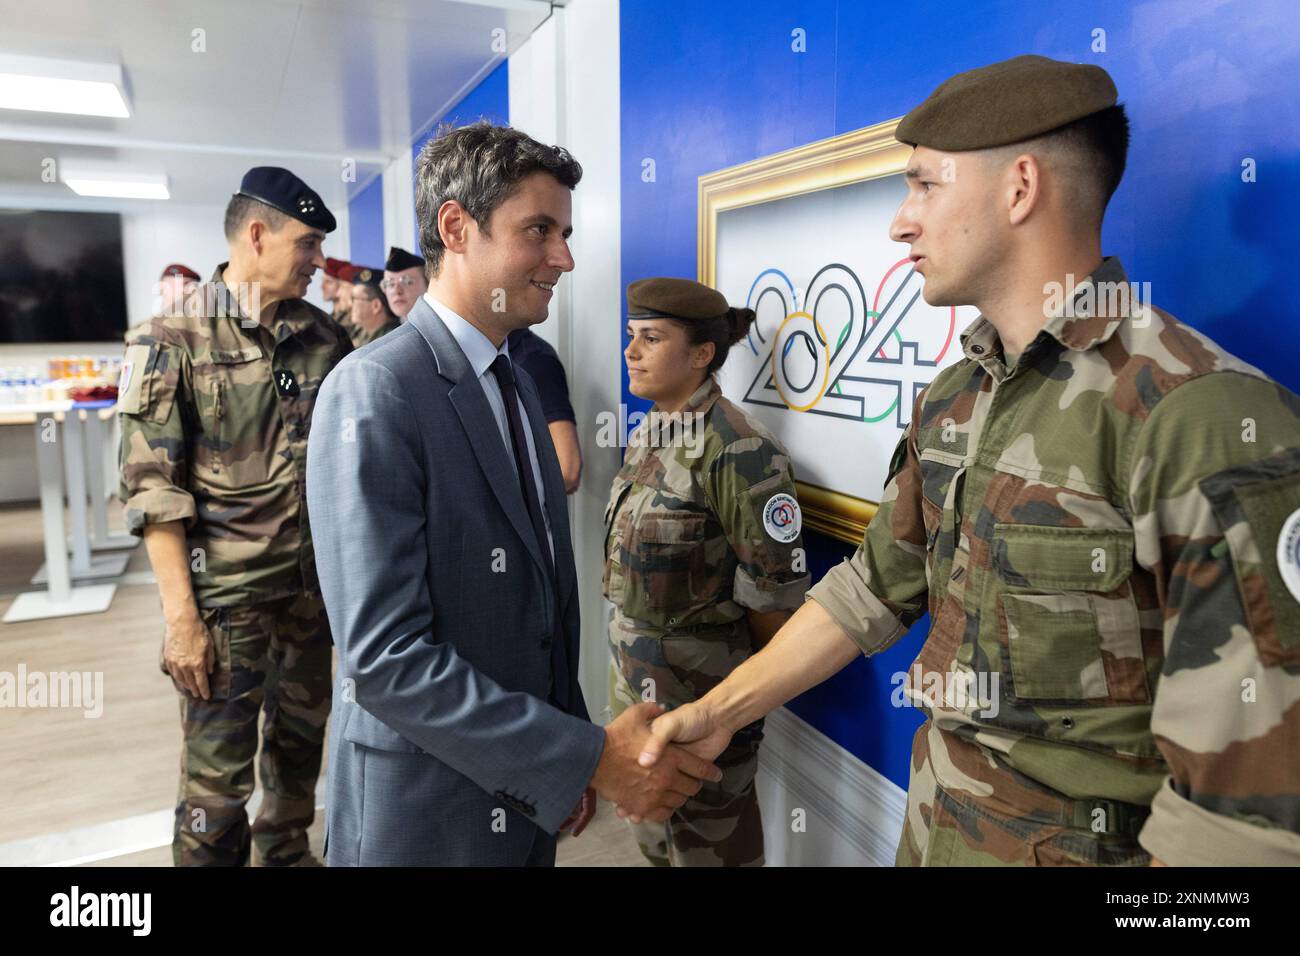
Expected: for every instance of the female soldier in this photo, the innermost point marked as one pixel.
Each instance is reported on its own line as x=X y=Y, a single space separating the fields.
x=703 y=556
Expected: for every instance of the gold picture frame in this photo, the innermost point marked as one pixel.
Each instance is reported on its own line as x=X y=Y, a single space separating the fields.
x=854 y=157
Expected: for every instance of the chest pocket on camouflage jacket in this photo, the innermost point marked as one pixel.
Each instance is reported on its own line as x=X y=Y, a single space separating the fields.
x=1067 y=620
x=667 y=549
x=223 y=386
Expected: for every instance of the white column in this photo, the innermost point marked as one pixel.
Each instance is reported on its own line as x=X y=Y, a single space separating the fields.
x=564 y=89
x=399 y=203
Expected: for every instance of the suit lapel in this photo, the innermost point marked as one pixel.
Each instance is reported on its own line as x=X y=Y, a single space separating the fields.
x=479 y=423
x=557 y=509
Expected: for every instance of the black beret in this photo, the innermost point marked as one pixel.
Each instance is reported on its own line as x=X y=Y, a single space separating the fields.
x=674 y=298
x=399 y=259
x=1005 y=103
x=282 y=190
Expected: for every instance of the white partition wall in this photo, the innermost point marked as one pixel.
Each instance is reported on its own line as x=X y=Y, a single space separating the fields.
x=574 y=101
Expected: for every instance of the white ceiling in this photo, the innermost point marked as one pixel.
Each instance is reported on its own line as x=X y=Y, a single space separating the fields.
x=305 y=84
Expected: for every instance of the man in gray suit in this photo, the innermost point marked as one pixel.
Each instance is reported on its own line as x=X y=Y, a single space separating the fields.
x=442 y=542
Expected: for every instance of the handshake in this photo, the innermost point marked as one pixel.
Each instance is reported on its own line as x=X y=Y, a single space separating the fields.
x=644 y=771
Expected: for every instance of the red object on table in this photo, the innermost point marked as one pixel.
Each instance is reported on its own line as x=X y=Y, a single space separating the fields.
x=99 y=393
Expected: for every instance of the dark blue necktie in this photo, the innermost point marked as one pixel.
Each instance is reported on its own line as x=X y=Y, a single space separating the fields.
x=533 y=503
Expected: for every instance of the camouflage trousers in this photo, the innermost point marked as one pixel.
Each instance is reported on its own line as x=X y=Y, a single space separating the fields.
x=272 y=659
x=1001 y=817
x=721 y=825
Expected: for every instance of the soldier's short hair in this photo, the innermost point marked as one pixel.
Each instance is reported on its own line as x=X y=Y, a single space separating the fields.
x=1089 y=155
x=240 y=209
x=480 y=166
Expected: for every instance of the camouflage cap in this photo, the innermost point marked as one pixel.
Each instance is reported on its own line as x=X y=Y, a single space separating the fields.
x=674 y=299
x=1006 y=102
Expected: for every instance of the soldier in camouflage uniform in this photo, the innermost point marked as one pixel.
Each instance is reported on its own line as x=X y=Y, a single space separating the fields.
x=703 y=554
x=372 y=317
x=215 y=409
x=1093 y=524
x=336 y=287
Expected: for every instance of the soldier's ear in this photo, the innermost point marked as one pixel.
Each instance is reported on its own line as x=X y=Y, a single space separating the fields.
x=256 y=234
x=703 y=355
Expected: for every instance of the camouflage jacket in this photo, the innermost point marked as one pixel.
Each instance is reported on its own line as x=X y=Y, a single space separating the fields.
x=343 y=319
x=702 y=522
x=214 y=421
x=361 y=337
x=1094 y=533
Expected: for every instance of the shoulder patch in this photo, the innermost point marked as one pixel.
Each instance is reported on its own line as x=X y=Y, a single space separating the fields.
x=124 y=379
x=782 y=519
x=1288 y=553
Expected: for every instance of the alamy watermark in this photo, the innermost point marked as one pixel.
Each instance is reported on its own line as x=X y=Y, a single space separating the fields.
x=952 y=690
x=215 y=300
x=1113 y=299
x=83 y=690
x=653 y=430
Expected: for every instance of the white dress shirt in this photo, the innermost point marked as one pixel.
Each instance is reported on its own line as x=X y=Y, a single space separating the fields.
x=481 y=353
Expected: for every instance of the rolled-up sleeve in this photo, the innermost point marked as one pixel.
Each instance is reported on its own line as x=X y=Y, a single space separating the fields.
x=878 y=593
x=1215 y=483
x=153 y=453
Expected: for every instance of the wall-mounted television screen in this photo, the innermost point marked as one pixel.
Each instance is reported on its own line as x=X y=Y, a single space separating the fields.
x=61 y=276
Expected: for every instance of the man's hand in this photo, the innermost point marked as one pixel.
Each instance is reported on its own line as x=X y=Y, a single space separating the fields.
x=582 y=813
x=188 y=654
x=693 y=729
x=647 y=792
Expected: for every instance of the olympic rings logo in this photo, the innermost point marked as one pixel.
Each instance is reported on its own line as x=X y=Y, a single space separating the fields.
x=809 y=368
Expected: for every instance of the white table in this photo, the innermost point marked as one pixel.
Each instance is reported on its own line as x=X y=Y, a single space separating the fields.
x=60 y=598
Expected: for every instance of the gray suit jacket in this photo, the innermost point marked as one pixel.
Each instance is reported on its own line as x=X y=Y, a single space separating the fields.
x=444 y=750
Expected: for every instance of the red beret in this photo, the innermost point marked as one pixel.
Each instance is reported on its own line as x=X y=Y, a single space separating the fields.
x=176 y=269
x=335 y=267
x=348 y=272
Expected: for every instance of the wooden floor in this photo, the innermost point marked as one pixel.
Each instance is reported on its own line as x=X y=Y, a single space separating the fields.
x=74 y=787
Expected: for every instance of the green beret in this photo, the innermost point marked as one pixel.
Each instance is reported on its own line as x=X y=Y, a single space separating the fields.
x=1006 y=102
x=674 y=299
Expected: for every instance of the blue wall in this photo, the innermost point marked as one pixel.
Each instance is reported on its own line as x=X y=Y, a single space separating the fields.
x=366 y=226
x=1206 y=83
x=490 y=99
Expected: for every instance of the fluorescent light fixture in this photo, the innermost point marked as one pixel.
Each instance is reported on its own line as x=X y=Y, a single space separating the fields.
x=49 y=85
x=115 y=184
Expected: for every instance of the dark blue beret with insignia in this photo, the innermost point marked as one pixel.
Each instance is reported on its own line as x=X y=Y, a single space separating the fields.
x=282 y=190
x=368 y=275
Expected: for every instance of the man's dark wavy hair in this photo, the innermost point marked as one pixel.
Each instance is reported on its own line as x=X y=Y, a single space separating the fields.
x=479 y=166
